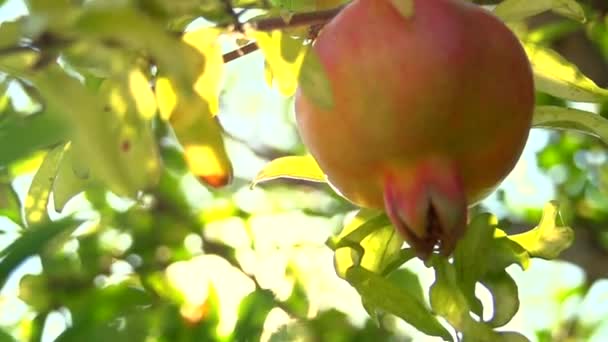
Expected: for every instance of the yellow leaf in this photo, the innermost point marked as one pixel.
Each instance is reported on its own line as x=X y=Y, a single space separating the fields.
x=296 y=167
x=547 y=240
x=142 y=94
x=284 y=56
x=166 y=97
x=207 y=85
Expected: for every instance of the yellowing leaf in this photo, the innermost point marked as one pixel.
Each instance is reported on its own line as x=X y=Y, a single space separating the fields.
x=197 y=131
x=514 y=10
x=571 y=119
x=558 y=77
x=142 y=95
x=547 y=240
x=290 y=62
x=296 y=167
x=207 y=85
x=284 y=57
x=208 y=162
x=166 y=97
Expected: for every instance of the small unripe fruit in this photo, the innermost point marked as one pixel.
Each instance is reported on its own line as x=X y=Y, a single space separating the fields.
x=430 y=112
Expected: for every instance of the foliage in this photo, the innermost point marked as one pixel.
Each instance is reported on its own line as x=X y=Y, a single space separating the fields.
x=128 y=199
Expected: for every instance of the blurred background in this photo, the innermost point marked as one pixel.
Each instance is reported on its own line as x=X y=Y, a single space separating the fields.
x=245 y=264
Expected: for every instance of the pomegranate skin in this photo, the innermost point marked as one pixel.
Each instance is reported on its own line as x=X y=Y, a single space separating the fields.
x=450 y=85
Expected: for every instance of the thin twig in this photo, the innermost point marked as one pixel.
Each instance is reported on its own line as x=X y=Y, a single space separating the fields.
x=240 y=52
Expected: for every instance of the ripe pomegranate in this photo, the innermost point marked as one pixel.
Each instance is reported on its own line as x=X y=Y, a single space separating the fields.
x=431 y=112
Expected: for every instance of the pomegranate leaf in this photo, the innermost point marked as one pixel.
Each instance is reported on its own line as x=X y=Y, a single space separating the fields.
x=123 y=156
x=136 y=30
x=295 y=167
x=471 y=254
x=198 y=131
x=387 y=296
x=448 y=301
x=38 y=194
x=32 y=242
x=290 y=62
x=10 y=205
x=571 y=119
x=558 y=77
x=514 y=10
x=505 y=297
x=376 y=242
x=71 y=179
x=547 y=240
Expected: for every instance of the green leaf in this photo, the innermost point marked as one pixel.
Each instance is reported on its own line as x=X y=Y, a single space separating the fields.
x=445 y=296
x=138 y=31
x=96 y=314
x=37 y=198
x=21 y=136
x=515 y=10
x=38 y=6
x=34 y=291
x=571 y=119
x=295 y=167
x=547 y=240
x=108 y=132
x=5 y=336
x=298 y=303
x=10 y=32
x=252 y=314
x=385 y=295
x=448 y=301
x=363 y=224
x=32 y=242
x=471 y=257
x=72 y=178
x=505 y=297
x=10 y=205
x=556 y=76
x=506 y=252
x=409 y=282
